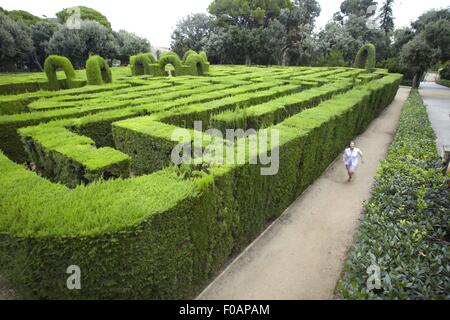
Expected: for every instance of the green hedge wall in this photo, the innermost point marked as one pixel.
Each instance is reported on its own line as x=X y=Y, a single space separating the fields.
x=140 y=64
x=97 y=71
x=52 y=64
x=133 y=238
x=406 y=222
x=366 y=57
x=65 y=157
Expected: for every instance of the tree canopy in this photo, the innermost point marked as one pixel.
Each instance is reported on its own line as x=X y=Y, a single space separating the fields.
x=86 y=13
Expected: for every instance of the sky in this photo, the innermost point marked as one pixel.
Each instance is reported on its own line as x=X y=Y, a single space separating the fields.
x=156 y=19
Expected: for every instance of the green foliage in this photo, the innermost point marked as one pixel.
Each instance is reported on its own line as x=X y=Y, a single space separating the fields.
x=192 y=32
x=85 y=14
x=444 y=82
x=247 y=13
x=357 y=7
x=130 y=44
x=366 y=57
x=396 y=65
x=406 y=220
x=65 y=157
x=140 y=64
x=97 y=71
x=120 y=231
x=52 y=64
x=334 y=59
x=91 y=38
x=16 y=43
x=24 y=16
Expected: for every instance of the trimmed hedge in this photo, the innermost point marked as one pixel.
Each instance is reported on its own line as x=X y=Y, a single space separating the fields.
x=366 y=57
x=97 y=71
x=71 y=159
x=141 y=64
x=162 y=236
x=275 y=111
x=405 y=229
x=52 y=64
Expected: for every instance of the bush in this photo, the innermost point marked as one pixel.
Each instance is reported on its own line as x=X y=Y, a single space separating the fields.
x=366 y=57
x=444 y=82
x=97 y=71
x=406 y=223
x=52 y=64
x=140 y=64
x=445 y=72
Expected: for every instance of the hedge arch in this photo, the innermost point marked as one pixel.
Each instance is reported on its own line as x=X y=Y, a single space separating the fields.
x=204 y=56
x=97 y=71
x=366 y=57
x=173 y=59
x=52 y=64
x=196 y=64
x=187 y=54
x=140 y=64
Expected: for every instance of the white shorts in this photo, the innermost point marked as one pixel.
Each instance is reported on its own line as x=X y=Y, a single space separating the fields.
x=351 y=168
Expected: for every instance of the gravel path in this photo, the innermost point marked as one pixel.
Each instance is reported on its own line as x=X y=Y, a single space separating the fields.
x=437 y=100
x=301 y=255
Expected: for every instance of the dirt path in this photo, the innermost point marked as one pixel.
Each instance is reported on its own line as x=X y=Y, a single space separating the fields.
x=301 y=255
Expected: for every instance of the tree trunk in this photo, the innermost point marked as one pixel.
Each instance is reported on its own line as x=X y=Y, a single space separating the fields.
x=284 y=57
x=36 y=61
x=416 y=80
x=248 y=60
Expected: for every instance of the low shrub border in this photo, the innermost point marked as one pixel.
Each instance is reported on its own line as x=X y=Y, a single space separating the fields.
x=405 y=230
x=444 y=82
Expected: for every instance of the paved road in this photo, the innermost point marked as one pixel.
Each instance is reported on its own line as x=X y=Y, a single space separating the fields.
x=437 y=99
x=302 y=254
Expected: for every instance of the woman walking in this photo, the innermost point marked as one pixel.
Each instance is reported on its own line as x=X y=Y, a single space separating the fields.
x=351 y=159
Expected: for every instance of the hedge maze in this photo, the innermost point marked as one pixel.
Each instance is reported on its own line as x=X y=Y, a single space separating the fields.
x=86 y=177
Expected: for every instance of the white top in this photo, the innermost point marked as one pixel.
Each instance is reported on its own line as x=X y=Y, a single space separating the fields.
x=351 y=158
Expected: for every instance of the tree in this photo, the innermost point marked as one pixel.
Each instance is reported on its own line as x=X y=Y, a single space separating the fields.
x=246 y=21
x=221 y=48
x=416 y=55
x=430 y=16
x=41 y=33
x=359 y=8
x=299 y=22
x=386 y=17
x=333 y=59
x=192 y=32
x=67 y=42
x=247 y=13
x=336 y=37
x=15 y=43
x=437 y=35
x=98 y=40
x=85 y=14
x=24 y=16
x=129 y=44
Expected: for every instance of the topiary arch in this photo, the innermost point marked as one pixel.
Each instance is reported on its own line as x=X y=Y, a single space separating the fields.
x=173 y=59
x=52 y=64
x=187 y=54
x=97 y=71
x=366 y=57
x=196 y=64
x=140 y=64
